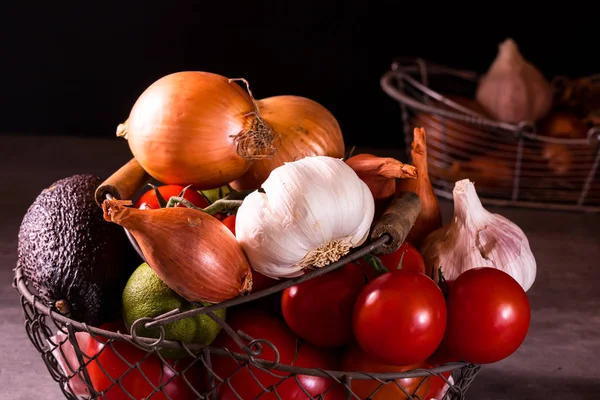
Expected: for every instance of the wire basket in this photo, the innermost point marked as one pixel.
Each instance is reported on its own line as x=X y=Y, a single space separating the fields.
x=511 y=164
x=139 y=370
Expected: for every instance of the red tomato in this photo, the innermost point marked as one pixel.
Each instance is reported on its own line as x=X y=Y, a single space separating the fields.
x=311 y=357
x=400 y=317
x=437 y=386
x=230 y=223
x=168 y=191
x=261 y=325
x=320 y=310
x=410 y=256
x=220 y=216
x=261 y=282
x=133 y=382
x=488 y=315
x=355 y=359
x=442 y=354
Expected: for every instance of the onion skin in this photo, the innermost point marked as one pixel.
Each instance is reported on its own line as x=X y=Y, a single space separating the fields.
x=380 y=175
x=186 y=128
x=430 y=217
x=192 y=252
x=564 y=125
x=306 y=129
x=559 y=158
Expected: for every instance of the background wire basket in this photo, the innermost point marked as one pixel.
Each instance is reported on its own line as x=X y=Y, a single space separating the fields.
x=74 y=352
x=511 y=164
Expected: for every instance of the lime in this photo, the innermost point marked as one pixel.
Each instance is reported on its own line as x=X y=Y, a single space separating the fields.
x=147 y=296
x=216 y=194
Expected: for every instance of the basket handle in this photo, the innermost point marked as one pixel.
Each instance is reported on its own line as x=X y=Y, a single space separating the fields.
x=124 y=183
x=396 y=221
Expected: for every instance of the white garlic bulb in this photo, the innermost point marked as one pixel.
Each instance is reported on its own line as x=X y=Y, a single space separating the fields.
x=478 y=238
x=308 y=214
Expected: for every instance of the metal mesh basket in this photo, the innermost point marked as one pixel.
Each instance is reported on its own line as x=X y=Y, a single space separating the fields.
x=134 y=366
x=511 y=164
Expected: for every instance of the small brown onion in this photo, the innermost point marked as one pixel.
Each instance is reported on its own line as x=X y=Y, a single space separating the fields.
x=430 y=217
x=197 y=128
x=380 y=175
x=564 y=125
x=306 y=129
x=559 y=157
x=192 y=252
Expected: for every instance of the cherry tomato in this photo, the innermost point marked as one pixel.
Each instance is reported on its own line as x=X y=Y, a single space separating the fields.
x=312 y=357
x=167 y=191
x=407 y=254
x=400 y=317
x=488 y=315
x=355 y=360
x=410 y=256
x=442 y=354
x=260 y=325
x=230 y=223
x=437 y=386
x=133 y=381
x=320 y=310
x=261 y=282
x=220 y=216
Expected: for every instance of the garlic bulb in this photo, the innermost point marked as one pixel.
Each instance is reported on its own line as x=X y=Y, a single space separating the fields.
x=308 y=214
x=478 y=238
x=513 y=90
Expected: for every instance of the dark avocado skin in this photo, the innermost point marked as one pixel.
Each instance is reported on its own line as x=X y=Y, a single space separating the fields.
x=69 y=252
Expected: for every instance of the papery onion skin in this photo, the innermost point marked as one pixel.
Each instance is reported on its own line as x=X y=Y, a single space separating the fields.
x=306 y=129
x=191 y=251
x=430 y=217
x=196 y=127
x=380 y=174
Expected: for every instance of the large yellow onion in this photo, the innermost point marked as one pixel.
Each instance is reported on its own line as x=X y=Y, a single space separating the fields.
x=197 y=128
x=306 y=129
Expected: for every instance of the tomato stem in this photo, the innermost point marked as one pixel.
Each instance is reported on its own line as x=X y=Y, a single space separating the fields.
x=443 y=283
x=376 y=263
x=401 y=259
x=218 y=206
x=162 y=203
x=203 y=195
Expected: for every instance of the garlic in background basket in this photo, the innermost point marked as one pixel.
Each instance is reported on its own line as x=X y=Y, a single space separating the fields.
x=478 y=238
x=308 y=214
x=513 y=89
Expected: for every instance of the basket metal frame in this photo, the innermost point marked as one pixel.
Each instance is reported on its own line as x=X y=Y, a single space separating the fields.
x=36 y=313
x=404 y=71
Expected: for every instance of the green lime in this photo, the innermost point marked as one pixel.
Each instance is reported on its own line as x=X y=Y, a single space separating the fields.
x=215 y=194
x=146 y=295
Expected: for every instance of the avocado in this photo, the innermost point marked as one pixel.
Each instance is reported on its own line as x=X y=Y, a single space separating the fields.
x=77 y=262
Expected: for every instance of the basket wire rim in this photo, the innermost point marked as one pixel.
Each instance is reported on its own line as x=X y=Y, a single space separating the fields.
x=22 y=287
x=523 y=129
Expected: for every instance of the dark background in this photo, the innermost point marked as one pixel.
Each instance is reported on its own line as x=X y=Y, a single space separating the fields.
x=76 y=68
